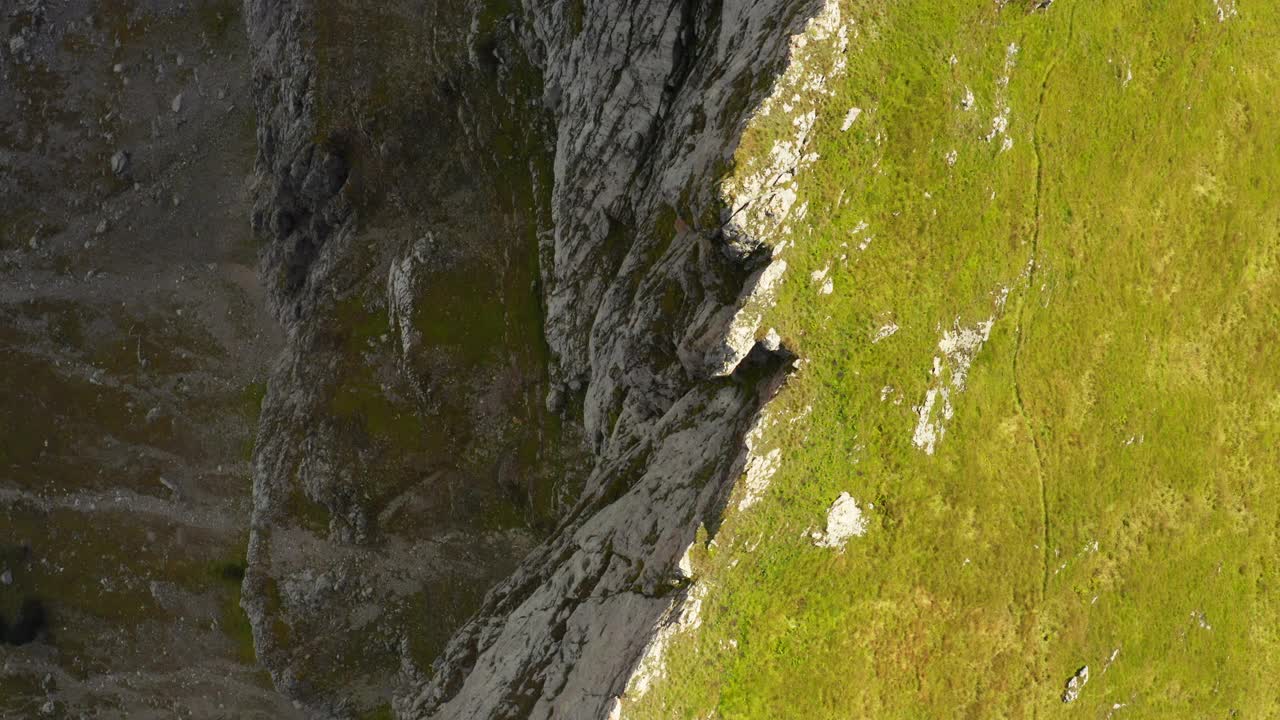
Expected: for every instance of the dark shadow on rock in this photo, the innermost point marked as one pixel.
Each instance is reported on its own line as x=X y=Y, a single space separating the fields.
x=29 y=626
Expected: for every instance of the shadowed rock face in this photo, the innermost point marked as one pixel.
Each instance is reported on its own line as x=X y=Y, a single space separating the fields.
x=28 y=625
x=406 y=458
x=626 y=118
x=649 y=99
x=478 y=363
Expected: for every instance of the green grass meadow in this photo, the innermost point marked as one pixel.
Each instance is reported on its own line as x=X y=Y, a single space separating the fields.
x=1105 y=493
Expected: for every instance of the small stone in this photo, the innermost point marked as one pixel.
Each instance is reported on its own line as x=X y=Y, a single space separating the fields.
x=176 y=105
x=17 y=44
x=886 y=331
x=849 y=118
x=1075 y=685
x=120 y=163
x=101 y=228
x=222 y=94
x=6 y=578
x=48 y=707
x=117 y=68
x=555 y=400
x=772 y=341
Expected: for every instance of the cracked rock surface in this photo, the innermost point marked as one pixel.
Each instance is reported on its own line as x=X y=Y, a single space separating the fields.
x=404 y=331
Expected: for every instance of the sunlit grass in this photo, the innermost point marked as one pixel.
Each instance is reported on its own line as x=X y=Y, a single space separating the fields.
x=1127 y=396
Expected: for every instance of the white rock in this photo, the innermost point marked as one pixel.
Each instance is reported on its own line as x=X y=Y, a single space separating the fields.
x=961 y=345
x=176 y=105
x=759 y=472
x=999 y=124
x=844 y=520
x=849 y=118
x=1075 y=685
x=772 y=341
x=887 y=330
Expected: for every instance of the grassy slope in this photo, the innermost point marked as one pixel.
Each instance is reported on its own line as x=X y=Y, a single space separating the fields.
x=1151 y=312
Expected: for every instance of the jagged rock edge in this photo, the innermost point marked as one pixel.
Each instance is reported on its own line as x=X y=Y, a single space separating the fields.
x=466 y=681
x=300 y=209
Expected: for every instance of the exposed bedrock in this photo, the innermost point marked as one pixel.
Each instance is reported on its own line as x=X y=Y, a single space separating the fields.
x=627 y=117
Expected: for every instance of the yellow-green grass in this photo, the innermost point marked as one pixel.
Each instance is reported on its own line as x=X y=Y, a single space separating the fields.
x=1128 y=395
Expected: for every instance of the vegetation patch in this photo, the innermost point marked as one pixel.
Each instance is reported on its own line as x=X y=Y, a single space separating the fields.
x=1096 y=182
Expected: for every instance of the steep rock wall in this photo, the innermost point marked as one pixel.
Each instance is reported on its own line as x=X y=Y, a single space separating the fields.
x=643 y=284
x=405 y=462
x=645 y=274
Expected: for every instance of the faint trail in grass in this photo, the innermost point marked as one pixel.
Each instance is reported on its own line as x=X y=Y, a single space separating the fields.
x=1017 y=354
x=1032 y=267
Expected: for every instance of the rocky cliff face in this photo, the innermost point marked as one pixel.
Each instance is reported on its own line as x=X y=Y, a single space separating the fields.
x=644 y=265
x=405 y=459
x=513 y=380
x=649 y=101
